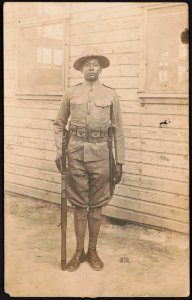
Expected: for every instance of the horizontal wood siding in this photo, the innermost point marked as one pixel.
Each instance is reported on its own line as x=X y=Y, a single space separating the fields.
x=154 y=187
x=29 y=145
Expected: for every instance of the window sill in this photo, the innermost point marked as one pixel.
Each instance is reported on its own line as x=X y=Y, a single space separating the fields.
x=28 y=95
x=38 y=21
x=160 y=98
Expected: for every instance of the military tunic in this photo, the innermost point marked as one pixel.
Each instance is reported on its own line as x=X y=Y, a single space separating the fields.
x=87 y=105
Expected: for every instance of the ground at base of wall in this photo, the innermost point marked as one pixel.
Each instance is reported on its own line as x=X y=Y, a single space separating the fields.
x=138 y=261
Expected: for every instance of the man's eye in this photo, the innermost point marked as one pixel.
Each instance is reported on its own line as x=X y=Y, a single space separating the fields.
x=88 y=65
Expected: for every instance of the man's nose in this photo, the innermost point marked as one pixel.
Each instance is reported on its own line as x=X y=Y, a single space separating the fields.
x=91 y=67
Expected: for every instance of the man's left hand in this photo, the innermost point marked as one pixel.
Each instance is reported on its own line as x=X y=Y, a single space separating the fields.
x=118 y=173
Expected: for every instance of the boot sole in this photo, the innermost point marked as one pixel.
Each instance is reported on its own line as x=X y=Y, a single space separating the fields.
x=95 y=269
x=73 y=270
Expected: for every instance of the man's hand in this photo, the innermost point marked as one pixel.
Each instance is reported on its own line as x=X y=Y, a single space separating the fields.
x=118 y=173
x=58 y=161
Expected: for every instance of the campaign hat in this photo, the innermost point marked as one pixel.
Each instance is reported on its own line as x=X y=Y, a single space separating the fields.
x=104 y=61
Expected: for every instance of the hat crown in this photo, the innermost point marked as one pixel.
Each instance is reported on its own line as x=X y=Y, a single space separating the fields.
x=104 y=61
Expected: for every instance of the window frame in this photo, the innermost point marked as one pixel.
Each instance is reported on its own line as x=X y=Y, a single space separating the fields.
x=35 y=22
x=142 y=92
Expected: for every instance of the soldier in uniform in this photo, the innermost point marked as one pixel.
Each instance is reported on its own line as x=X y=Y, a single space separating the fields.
x=89 y=106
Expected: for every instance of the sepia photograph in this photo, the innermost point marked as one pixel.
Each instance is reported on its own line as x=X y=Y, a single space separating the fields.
x=96 y=149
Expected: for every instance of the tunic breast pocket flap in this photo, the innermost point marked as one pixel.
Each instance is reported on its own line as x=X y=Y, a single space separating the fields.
x=103 y=102
x=76 y=100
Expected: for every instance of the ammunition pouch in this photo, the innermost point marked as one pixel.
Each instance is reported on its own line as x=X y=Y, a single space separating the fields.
x=89 y=135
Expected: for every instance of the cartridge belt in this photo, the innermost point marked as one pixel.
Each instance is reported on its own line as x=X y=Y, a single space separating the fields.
x=89 y=135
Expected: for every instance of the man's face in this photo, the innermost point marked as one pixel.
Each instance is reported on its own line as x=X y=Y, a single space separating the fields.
x=91 y=69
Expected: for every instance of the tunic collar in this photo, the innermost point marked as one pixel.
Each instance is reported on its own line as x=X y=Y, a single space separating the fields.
x=92 y=83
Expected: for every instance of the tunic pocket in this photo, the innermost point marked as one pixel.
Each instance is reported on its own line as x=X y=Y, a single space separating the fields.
x=76 y=108
x=102 y=109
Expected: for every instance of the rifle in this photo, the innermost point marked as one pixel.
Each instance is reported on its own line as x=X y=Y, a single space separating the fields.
x=65 y=139
x=111 y=158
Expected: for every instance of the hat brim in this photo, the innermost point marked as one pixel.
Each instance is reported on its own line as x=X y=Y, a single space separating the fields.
x=104 y=61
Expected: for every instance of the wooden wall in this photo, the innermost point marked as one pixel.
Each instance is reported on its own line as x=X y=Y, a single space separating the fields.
x=29 y=144
x=154 y=188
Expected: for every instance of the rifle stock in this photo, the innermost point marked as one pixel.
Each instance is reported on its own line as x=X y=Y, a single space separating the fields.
x=111 y=158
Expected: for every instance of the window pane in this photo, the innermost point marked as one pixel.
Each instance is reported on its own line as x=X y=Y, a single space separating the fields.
x=53 y=31
x=46 y=56
x=43 y=10
x=53 y=9
x=57 y=58
x=167 y=56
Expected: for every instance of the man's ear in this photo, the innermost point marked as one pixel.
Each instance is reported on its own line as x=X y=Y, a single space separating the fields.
x=100 y=69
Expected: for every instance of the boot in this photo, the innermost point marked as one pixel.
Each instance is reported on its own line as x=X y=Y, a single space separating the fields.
x=94 y=221
x=80 y=222
x=76 y=260
x=93 y=259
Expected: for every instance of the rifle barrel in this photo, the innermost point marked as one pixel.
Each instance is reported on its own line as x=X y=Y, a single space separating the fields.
x=63 y=203
x=63 y=221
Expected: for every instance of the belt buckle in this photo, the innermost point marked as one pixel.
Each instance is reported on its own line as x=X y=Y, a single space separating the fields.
x=95 y=134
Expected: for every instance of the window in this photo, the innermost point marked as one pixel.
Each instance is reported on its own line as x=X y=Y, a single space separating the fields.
x=45 y=10
x=42 y=51
x=166 y=57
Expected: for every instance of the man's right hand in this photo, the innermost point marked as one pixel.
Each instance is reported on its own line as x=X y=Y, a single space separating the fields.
x=58 y=161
